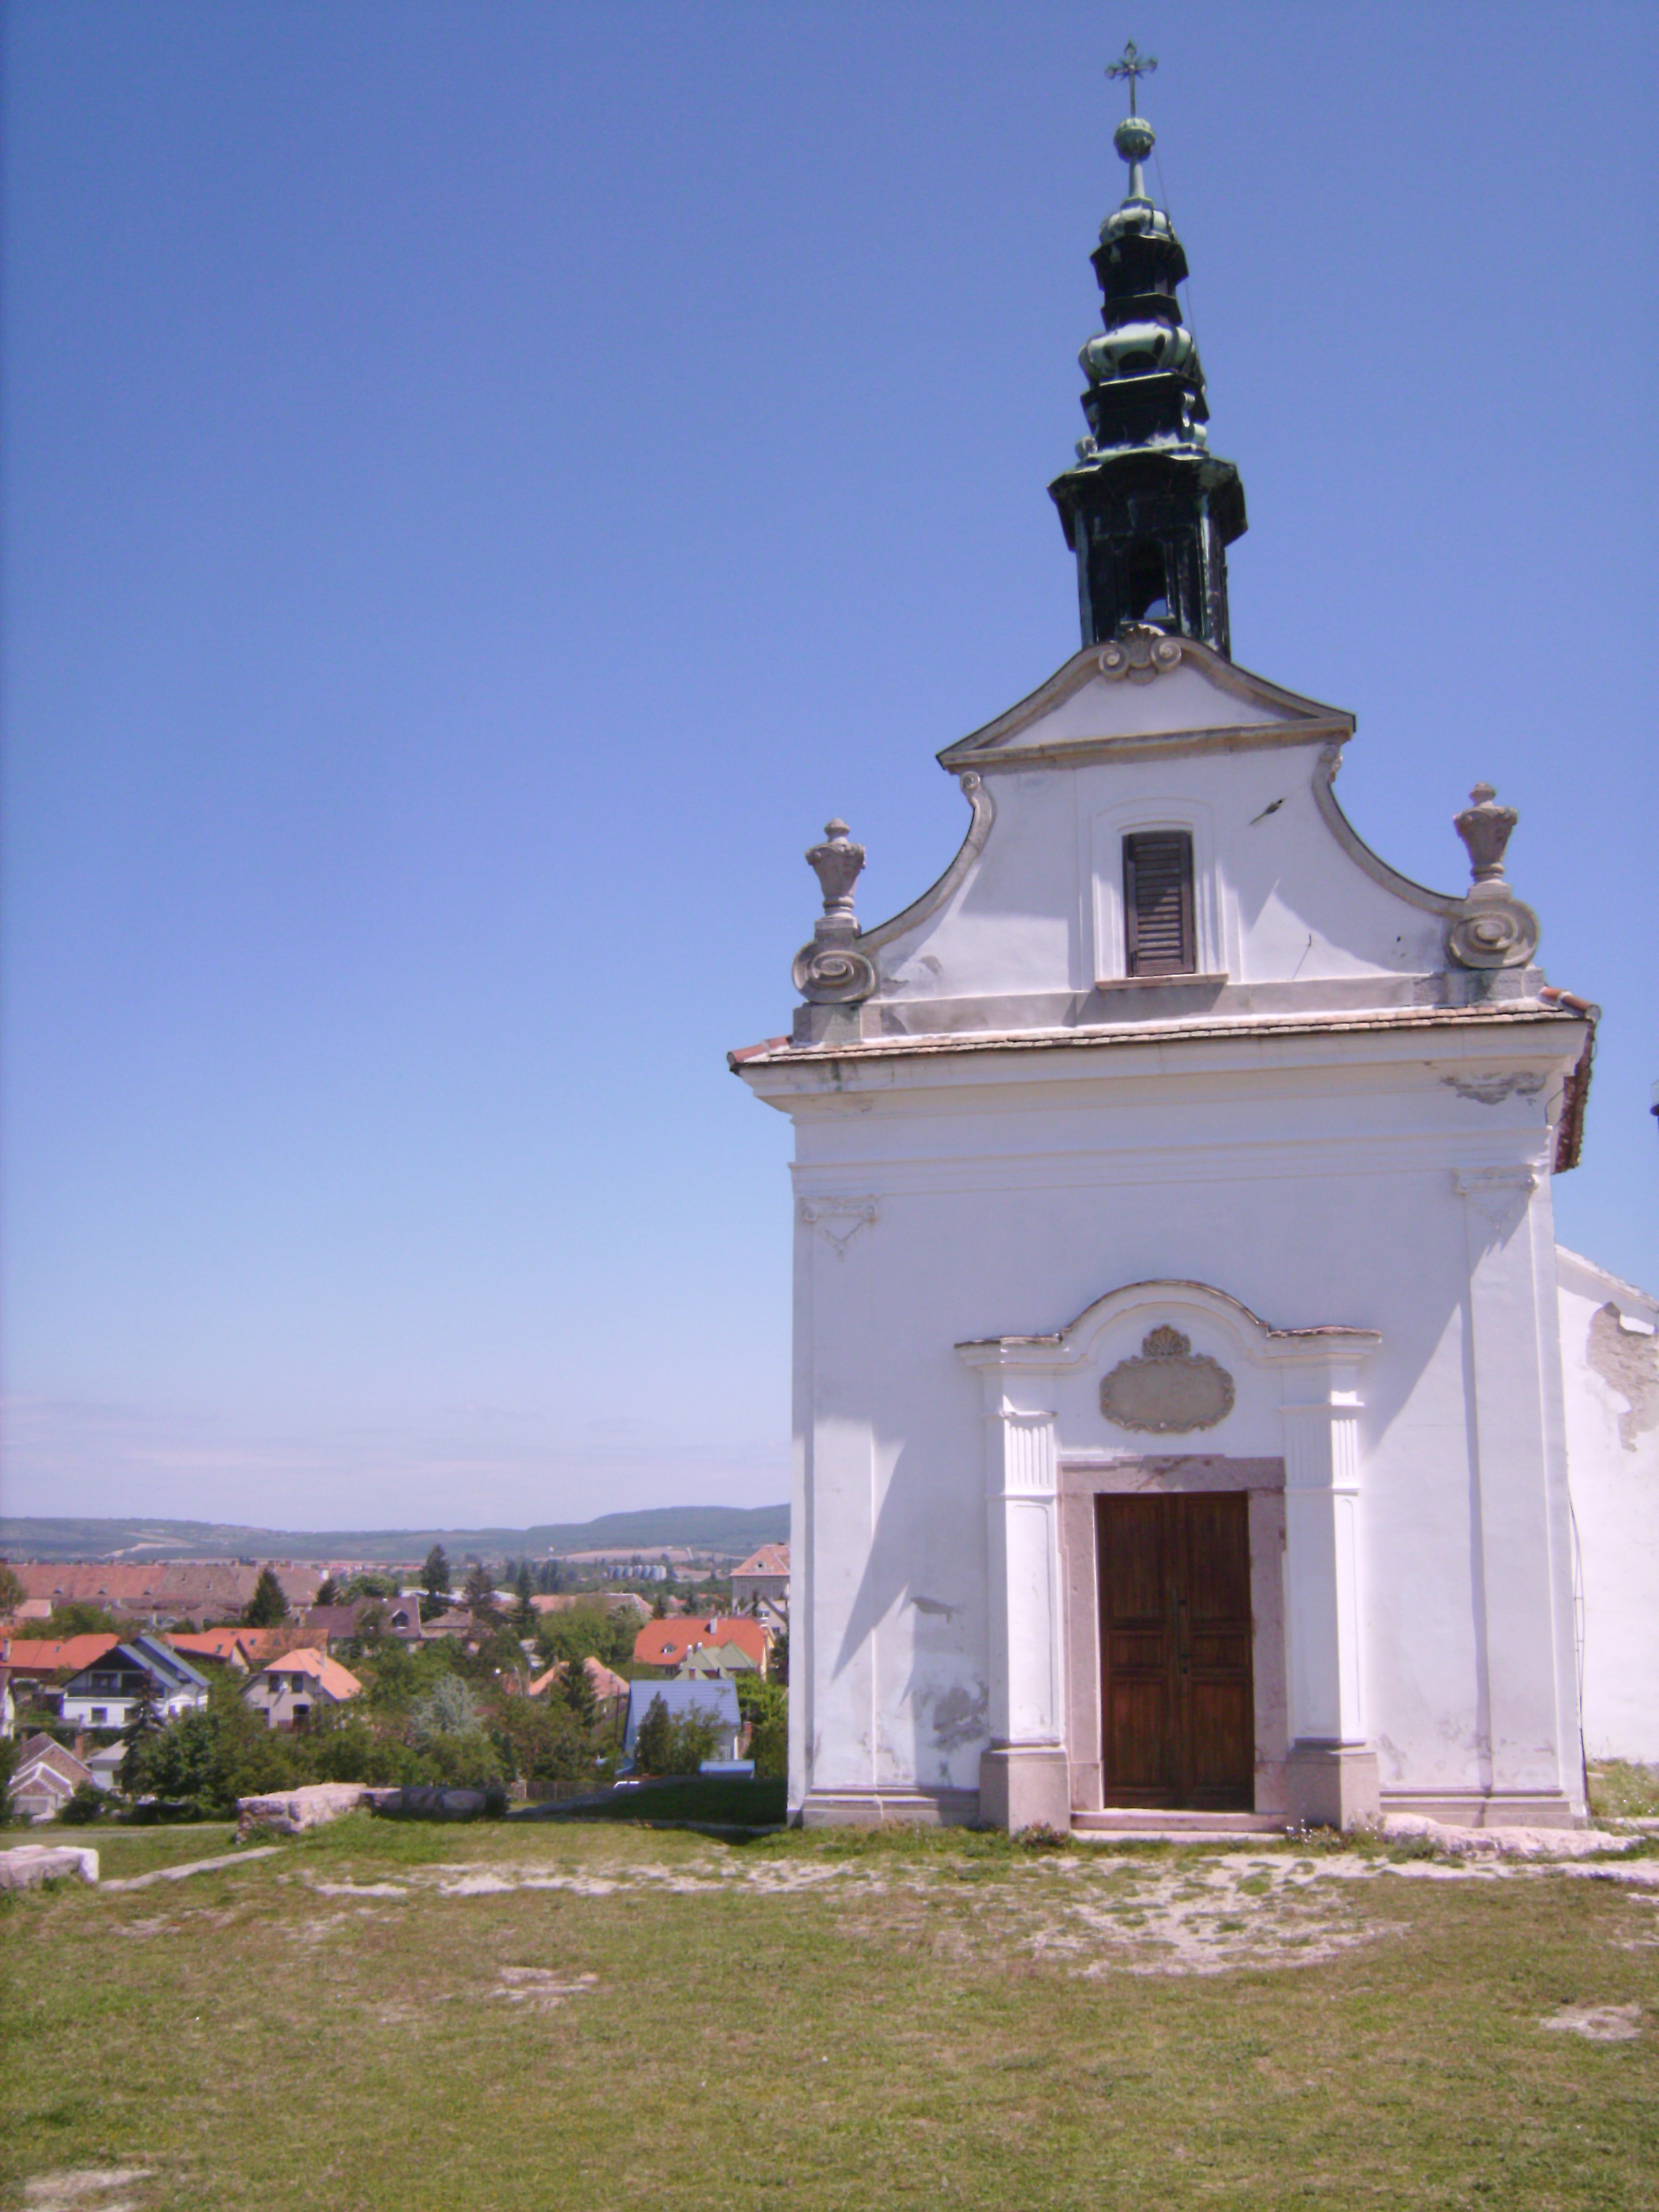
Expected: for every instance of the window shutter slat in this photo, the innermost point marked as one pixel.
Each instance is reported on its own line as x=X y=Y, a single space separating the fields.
x=1157 y=898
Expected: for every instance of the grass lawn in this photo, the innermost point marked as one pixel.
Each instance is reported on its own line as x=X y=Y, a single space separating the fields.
x=123 y=1850
x=528 y=2015
x=710 y=1801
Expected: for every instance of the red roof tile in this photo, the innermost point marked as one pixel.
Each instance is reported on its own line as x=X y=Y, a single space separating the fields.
x=666 y=1643
x=49 y=1654
x=770 y=1559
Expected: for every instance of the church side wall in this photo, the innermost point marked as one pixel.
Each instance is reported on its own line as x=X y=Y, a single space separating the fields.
x=1610 y=1371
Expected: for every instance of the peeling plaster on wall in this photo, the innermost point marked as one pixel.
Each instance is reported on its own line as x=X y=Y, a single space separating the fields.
x=1390 y=1752
x=1492 y=1090
x=1629 y=1361
x=960 y=1717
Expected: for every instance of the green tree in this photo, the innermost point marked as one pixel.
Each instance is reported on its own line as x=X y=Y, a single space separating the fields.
x=589 y=1630
x=395 y=1677
x=761 y=1699
x=344 y=1745
x=653 y=1741
x=12 y=1592
x=267 y=1607
x=541 y=1742
x=577 y=1691
x=371 y=1624
x=765 y=1706
x=777 y=1666
x=77 y=1617
x=328 y=1591
x=185 y=1764
x=467 y=1759
x=85 y=1805
x=208 y=1758
x=501 y=1652
x=146 y=1722
x=524 y=1612
x=448 y=1709
x=666 y=1745
x=435 y=1578
x=479 y=1590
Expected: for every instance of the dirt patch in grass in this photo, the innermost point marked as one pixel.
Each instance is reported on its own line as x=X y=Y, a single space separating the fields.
x=540 y=1988
x=1599 y=2023
x=86 y=2189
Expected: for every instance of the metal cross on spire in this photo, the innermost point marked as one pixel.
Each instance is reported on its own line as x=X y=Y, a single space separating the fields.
x=1134 y=65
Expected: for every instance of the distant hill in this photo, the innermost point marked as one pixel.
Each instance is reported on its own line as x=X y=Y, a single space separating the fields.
x=728 y=1529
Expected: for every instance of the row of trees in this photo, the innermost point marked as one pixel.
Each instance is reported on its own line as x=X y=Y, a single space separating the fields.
x=437 y=1714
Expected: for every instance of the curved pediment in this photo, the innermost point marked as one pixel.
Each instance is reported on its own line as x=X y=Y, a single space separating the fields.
x=1163 y=1305
x=1146 y=691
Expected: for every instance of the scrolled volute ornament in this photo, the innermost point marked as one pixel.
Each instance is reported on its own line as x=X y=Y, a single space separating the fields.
x=1492 y=928
x=1139 y=654
x=833 y=975
x=831 y=971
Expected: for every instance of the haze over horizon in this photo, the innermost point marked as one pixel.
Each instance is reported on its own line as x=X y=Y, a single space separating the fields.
x=485 y=485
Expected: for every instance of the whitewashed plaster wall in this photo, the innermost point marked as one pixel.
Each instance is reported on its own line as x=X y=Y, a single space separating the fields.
x=1317 y=1184
x=1386 y=1174
x=1610 y=1364
x=1279 y=895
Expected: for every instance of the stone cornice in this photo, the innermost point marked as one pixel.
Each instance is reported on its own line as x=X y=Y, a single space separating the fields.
x=1537 y=1023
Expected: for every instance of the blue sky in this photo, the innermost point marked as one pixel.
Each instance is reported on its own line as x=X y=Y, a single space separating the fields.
x=486 y=481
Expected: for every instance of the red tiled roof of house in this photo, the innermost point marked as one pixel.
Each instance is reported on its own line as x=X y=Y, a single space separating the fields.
x=666 y=1643
x=40 y=1751
x=339 y=1681
x=770 y=1559
x=321 y=1622
x=219 y=1586
x=50 y=1655
x=254 y=1646
x=606 y=1683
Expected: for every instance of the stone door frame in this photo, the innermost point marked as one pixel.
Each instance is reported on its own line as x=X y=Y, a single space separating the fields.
x=1085 y=1477
x=1304 y=1383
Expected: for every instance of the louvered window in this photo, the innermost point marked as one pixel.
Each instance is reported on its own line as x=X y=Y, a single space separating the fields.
x=1158 y=903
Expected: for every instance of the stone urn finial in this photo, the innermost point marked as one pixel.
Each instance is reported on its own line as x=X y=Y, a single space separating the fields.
x=830 y=971
x=1484 y=827
x=1492 y=928
x=837 y=864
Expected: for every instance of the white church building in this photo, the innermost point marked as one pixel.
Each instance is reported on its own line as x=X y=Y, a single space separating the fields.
x=1194 y=1415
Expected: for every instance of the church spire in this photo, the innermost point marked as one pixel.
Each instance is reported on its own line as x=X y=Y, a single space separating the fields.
x=1146 y=508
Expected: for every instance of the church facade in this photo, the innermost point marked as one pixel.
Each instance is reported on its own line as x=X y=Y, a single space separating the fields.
x=1180 y=1421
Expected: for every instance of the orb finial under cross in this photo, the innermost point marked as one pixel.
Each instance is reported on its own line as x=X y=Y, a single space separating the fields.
x=1133 y=137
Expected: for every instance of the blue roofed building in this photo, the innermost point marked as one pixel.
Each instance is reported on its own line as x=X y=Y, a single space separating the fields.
x=104 y=1694
x=719 y=1699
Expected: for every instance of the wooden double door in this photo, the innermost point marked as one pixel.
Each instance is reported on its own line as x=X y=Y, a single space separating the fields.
x=1178 y=1709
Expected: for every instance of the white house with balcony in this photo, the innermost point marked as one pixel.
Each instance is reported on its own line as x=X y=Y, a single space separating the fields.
x=106 y=1693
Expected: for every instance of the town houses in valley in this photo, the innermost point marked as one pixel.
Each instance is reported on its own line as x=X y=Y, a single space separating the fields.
x=97 y=1654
